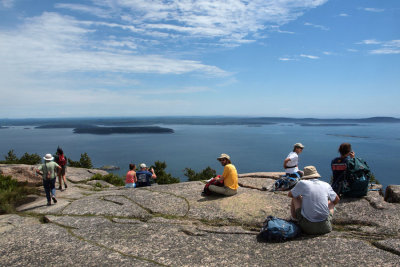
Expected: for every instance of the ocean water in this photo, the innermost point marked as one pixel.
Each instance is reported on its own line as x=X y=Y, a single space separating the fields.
x=252 y=149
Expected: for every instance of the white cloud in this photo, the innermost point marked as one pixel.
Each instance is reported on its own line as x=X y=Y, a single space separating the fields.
x=343 y=15
x=309 y=56
x=99 y=12
x=317 y=26
x=372 y=9
x=385 y=47
x=7 y=3
x=54 y=43
x=370 y=42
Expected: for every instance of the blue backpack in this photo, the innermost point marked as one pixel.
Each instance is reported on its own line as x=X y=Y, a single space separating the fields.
x=286 y=182
x=275 y=229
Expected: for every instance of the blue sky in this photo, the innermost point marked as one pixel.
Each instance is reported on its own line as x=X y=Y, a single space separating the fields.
x=292 y=58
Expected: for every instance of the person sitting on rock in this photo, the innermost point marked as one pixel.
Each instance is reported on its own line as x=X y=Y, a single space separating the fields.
x=339 y=166
x=229 y=177
x=144 y=176
x=291 y=163
x=313 y=203
x=131 y=179
x=48 y=171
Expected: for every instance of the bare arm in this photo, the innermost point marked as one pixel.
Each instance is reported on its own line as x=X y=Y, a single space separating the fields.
x=154 y=176
x=285 y=162
x=336 y=201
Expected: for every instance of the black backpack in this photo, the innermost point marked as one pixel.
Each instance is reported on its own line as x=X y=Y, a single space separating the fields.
x=354 y=181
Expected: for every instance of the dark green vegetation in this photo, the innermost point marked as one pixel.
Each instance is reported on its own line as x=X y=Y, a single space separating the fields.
x=122 y=130
x=84 y=162
x=30 y=159
x=13 y=193
x=162 y=176
x=109 y=178
x=205 y=174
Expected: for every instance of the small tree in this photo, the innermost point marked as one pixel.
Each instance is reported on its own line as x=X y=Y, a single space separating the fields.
x=30 y=159
x=11 y=158
x=162 y=176
x=84 y=162
x=205 y=174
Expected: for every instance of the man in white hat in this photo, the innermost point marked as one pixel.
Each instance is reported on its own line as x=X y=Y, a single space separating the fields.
x=291 y=163
x=229 y=177
x=313 y=203
x=48 y=170
x=144 y=176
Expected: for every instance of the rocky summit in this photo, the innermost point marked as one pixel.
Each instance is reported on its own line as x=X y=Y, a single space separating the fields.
x=97 y=224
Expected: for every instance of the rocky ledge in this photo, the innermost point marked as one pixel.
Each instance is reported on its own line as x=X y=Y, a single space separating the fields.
x=173 y=225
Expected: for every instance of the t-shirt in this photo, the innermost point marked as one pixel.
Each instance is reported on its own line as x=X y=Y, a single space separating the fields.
x=315 y=194
x=230 y=177
x=293 y=162
x=130 y=177
x=50 y=166
x=143 y=178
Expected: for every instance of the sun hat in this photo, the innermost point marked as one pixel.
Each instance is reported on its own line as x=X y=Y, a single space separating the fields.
x=299 y=145
x=310 y=172
x=224 y=156
x=48 y=157
x=143 y=165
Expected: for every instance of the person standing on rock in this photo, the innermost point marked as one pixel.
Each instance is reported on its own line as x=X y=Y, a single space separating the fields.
x=229 y=177
x=291 y=163
x=61 y=160
x=48 y=170
x=144 y=176
x=313 y=203
x=131 y=179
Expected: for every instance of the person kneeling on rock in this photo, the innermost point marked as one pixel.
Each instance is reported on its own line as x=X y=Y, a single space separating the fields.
x=313 y=203
x=229 y=177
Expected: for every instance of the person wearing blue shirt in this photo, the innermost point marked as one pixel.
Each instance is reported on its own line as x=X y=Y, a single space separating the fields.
x=144 y=176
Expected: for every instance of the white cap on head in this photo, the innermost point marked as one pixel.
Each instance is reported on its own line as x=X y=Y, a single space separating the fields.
x=143 y=165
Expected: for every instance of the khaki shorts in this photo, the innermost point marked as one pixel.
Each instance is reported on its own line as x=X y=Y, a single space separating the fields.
x=314 y=228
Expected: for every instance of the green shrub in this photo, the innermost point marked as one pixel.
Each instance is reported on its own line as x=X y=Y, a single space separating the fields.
x=109 y=178
x=205 y=174
x=84 y=162
x=30 y=159
x=162 y=176
x=12 y=193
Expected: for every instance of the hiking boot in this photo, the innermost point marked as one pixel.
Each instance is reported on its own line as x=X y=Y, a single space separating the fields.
x=54 y=199
x=60 y=188
x=48 y=203
x=65 y=185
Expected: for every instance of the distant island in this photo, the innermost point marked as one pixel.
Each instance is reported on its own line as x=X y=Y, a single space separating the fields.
x=188 y=120
x=328 y=124
x=347 y=135
x=122 y=130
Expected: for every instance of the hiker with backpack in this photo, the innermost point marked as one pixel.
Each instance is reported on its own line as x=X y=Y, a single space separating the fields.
x=227 y=183
x=61 y=160
x=291 y=163
x=48 y=171
x=313 y=202
x=350 y=175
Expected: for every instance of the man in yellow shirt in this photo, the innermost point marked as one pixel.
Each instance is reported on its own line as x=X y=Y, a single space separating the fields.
x=229 y=177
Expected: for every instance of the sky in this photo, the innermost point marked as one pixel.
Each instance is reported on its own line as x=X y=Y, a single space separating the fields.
x=289 y=58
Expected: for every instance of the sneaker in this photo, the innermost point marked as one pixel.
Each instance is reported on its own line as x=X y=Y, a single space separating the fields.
x=54 y=199
x=48 y=203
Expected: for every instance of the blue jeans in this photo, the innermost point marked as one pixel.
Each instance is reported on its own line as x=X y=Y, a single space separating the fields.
x=49 y=186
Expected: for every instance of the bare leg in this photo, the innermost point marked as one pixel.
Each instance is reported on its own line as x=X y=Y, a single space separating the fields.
x=60 y=181
x=294 y=205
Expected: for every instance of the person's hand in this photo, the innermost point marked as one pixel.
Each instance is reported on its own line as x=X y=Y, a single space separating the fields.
x=352 y=154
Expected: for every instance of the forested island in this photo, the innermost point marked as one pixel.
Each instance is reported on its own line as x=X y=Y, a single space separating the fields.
x=122 y=130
